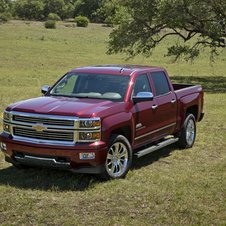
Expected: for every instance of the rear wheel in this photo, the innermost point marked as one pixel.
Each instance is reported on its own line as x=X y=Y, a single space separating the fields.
x=188 y=132
x=119 y=158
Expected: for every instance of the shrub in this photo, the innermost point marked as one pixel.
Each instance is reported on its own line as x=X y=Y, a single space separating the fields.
x=53 y=16
x=50 y=24
x=82 y=21
x=5 y=16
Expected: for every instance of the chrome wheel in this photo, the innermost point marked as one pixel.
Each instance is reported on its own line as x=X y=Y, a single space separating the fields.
x=117 y=159
x=190 y=132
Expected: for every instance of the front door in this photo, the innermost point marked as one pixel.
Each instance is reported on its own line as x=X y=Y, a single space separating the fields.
x=144 y=113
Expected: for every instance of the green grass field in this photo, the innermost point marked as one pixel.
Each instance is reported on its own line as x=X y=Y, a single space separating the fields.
x=167 y=187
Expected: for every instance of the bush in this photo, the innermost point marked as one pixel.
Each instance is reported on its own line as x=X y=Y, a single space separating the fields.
x=53 y=16
x=50 y=24
x=5 y=16
x=82 y=21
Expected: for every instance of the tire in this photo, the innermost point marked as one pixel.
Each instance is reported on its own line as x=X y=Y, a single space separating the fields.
x=119 y=158
x=188 y=132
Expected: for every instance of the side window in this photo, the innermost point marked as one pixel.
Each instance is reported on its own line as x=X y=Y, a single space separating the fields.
x=141 y=84
x=160 y=82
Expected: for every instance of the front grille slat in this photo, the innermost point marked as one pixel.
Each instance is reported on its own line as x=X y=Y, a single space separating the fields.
x=42 y=120
x=44 y=135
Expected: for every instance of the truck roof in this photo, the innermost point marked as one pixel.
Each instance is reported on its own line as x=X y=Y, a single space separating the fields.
x=118 y=69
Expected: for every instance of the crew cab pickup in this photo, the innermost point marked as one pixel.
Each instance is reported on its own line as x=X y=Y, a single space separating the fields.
x=95 y=119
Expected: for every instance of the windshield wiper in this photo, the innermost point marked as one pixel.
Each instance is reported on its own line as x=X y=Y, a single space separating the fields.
x=89 y=97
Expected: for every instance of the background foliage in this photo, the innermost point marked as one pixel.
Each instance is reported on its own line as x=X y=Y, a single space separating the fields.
x=40 y=9
x=144 y=24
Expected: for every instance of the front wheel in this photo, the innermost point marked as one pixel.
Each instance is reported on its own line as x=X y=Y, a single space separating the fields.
x=188 y=132
x=119 y=158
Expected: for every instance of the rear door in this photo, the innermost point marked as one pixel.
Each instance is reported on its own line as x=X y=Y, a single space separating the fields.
x=166 y=109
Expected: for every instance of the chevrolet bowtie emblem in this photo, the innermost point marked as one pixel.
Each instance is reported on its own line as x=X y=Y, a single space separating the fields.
x=39 y=127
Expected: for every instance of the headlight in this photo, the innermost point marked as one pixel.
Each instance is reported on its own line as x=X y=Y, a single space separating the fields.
x=90 y=123
x=6 y=116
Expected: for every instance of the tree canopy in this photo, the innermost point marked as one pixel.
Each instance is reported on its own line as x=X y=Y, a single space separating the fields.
x=40 y=9
x=143 y=24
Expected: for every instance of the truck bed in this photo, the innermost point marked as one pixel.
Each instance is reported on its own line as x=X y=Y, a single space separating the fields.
x=178 y=86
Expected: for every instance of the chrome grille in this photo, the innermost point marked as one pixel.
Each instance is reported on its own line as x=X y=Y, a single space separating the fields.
x=48 y=129
x=44 y=135
x=46 y=121
x=44 y=129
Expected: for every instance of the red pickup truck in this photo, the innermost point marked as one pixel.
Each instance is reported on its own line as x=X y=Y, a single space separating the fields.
x=95 y=119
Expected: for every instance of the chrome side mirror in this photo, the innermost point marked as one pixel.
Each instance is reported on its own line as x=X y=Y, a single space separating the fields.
x=45 y=89
x=143 y=96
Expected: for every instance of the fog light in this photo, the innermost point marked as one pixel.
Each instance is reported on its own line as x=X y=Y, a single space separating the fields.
x=3 y=146
x=6 y=128
x=86 y=136
x=87 y=156
x=89 y=136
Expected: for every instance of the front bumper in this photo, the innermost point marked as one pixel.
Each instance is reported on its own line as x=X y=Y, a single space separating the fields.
x=57 y=157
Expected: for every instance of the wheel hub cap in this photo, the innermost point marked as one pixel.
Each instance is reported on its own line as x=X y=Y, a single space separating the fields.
x=190 y=132
x=117 y=158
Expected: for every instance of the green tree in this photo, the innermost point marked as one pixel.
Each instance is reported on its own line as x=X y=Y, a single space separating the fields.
x=29 y=9
x=67 y=11
x=54 y=6
x=143 y=24
x=107 y=12
x=5 y=6
x=86 y=8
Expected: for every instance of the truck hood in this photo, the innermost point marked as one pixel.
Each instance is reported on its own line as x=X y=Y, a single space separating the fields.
x=68 y=106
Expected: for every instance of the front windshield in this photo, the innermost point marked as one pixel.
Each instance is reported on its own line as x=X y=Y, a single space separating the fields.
x=97 y=86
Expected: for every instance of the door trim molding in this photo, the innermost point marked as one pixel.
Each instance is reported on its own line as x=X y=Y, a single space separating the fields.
x=157 y=130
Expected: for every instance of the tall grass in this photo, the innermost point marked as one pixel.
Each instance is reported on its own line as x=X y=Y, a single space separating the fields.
x=167 y=187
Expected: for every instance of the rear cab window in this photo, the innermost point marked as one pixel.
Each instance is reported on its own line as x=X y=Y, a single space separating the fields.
x=160 y=83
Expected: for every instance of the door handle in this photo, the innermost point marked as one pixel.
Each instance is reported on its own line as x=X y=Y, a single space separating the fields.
x=154 y=107
x=173 y=101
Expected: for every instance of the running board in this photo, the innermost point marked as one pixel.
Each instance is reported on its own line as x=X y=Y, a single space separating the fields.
x=155 y=147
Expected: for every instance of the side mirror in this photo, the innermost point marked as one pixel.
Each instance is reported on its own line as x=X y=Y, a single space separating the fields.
x=143 y=96
x=45 y=89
